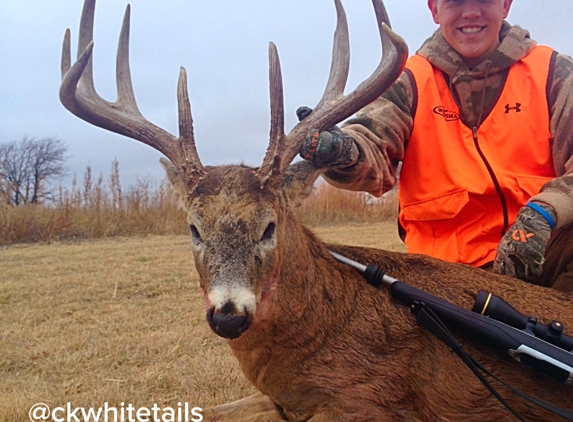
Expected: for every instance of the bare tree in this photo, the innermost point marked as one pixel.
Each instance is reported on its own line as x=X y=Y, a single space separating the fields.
x=28 y=166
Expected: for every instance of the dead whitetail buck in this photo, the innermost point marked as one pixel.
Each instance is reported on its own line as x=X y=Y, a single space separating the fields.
x=317 y=341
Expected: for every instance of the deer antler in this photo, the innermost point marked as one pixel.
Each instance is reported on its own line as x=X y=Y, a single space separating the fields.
x=334 y=105
x=78 y=95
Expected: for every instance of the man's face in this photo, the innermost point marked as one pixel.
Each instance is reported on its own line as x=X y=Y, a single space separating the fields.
x=471 y=27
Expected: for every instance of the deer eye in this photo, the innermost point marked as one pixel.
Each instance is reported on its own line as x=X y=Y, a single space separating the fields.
x=195 y=234
x=269 y=232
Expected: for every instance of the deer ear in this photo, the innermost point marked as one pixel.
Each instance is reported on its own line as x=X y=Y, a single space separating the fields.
x=298 y=181
x=176 y=181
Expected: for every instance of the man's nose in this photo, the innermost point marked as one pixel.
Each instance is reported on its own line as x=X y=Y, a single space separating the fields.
x=472 y=9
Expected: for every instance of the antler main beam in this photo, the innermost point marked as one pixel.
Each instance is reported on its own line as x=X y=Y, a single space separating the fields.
x=334 y=105
x=78 y=95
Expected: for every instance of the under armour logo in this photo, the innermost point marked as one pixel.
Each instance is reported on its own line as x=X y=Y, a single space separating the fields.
x=517 y=108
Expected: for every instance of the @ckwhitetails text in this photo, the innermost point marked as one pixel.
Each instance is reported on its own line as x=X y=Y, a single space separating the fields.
x=122 y=413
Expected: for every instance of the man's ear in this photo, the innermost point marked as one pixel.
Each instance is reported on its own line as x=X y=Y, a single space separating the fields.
x=433 y=6
x=298 y=181
x=506 y=7
x=175 y=180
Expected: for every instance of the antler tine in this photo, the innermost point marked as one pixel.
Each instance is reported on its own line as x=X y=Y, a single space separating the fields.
x=78 y=95
x=125 y=94
x=334 y=107
x=381 y=13
x=340 y=64
x=192 y=167
x=66 y=62
x=84 y=39
x=271 y=162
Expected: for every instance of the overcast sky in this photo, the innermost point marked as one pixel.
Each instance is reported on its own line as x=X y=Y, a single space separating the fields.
x=223 y=45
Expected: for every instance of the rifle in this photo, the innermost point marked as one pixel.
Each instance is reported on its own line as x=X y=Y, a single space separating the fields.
x=493 y=322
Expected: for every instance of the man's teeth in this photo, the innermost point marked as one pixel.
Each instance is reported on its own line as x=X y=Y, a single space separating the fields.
x=471 y=30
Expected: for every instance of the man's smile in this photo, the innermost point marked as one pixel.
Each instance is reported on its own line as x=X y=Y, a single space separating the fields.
x=472 y=30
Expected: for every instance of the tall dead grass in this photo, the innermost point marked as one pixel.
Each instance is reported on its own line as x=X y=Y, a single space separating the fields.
x=327 y=205
x=95 y=208
x=101 y=208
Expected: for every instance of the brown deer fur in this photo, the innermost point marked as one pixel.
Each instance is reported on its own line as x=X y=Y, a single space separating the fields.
x=327 y=346
x=319 y=343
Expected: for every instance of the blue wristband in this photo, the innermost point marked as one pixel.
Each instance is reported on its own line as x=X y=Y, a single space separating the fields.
x=543 y=212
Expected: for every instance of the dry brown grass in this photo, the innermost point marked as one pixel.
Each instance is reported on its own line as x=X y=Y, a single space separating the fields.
x=118 y=321
x=100 y=208
x=94 y=209
x=327 y=206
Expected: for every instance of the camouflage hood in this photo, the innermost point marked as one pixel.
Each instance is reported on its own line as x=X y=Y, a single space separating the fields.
x=478 y=89
x=515 y=44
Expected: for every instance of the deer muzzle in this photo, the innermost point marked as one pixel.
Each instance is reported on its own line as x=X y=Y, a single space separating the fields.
x=227 y=321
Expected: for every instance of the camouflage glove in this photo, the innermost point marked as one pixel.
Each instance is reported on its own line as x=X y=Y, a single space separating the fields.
x=331 y=148
x=521 y=251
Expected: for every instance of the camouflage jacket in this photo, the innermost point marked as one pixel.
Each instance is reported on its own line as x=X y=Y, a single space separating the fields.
x=381 y=130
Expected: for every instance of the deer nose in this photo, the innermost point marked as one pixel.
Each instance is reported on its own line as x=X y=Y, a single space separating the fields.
x=227 y=322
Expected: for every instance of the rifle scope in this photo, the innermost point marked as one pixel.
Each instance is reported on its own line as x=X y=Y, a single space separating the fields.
x=495 y=307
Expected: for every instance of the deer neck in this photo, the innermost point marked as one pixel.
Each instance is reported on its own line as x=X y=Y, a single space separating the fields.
x=308 y=316
x=309 y=301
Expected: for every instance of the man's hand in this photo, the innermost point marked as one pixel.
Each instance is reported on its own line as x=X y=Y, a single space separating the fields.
x=521 y=251
x=331 y=148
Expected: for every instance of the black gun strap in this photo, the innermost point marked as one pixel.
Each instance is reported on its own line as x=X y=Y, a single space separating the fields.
x=429 y=320
x=547 y=406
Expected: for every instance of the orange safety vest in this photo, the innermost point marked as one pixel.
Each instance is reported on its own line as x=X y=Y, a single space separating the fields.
x=460 y=188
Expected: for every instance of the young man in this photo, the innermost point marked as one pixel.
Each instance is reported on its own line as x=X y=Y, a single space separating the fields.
x=482 y=121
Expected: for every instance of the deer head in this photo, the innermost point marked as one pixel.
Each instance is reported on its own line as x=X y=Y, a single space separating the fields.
x=238 y=215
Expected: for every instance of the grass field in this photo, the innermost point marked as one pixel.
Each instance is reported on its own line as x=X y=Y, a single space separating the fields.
x=119 y=321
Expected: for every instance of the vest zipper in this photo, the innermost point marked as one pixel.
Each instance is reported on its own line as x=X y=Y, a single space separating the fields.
x=495 y=182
